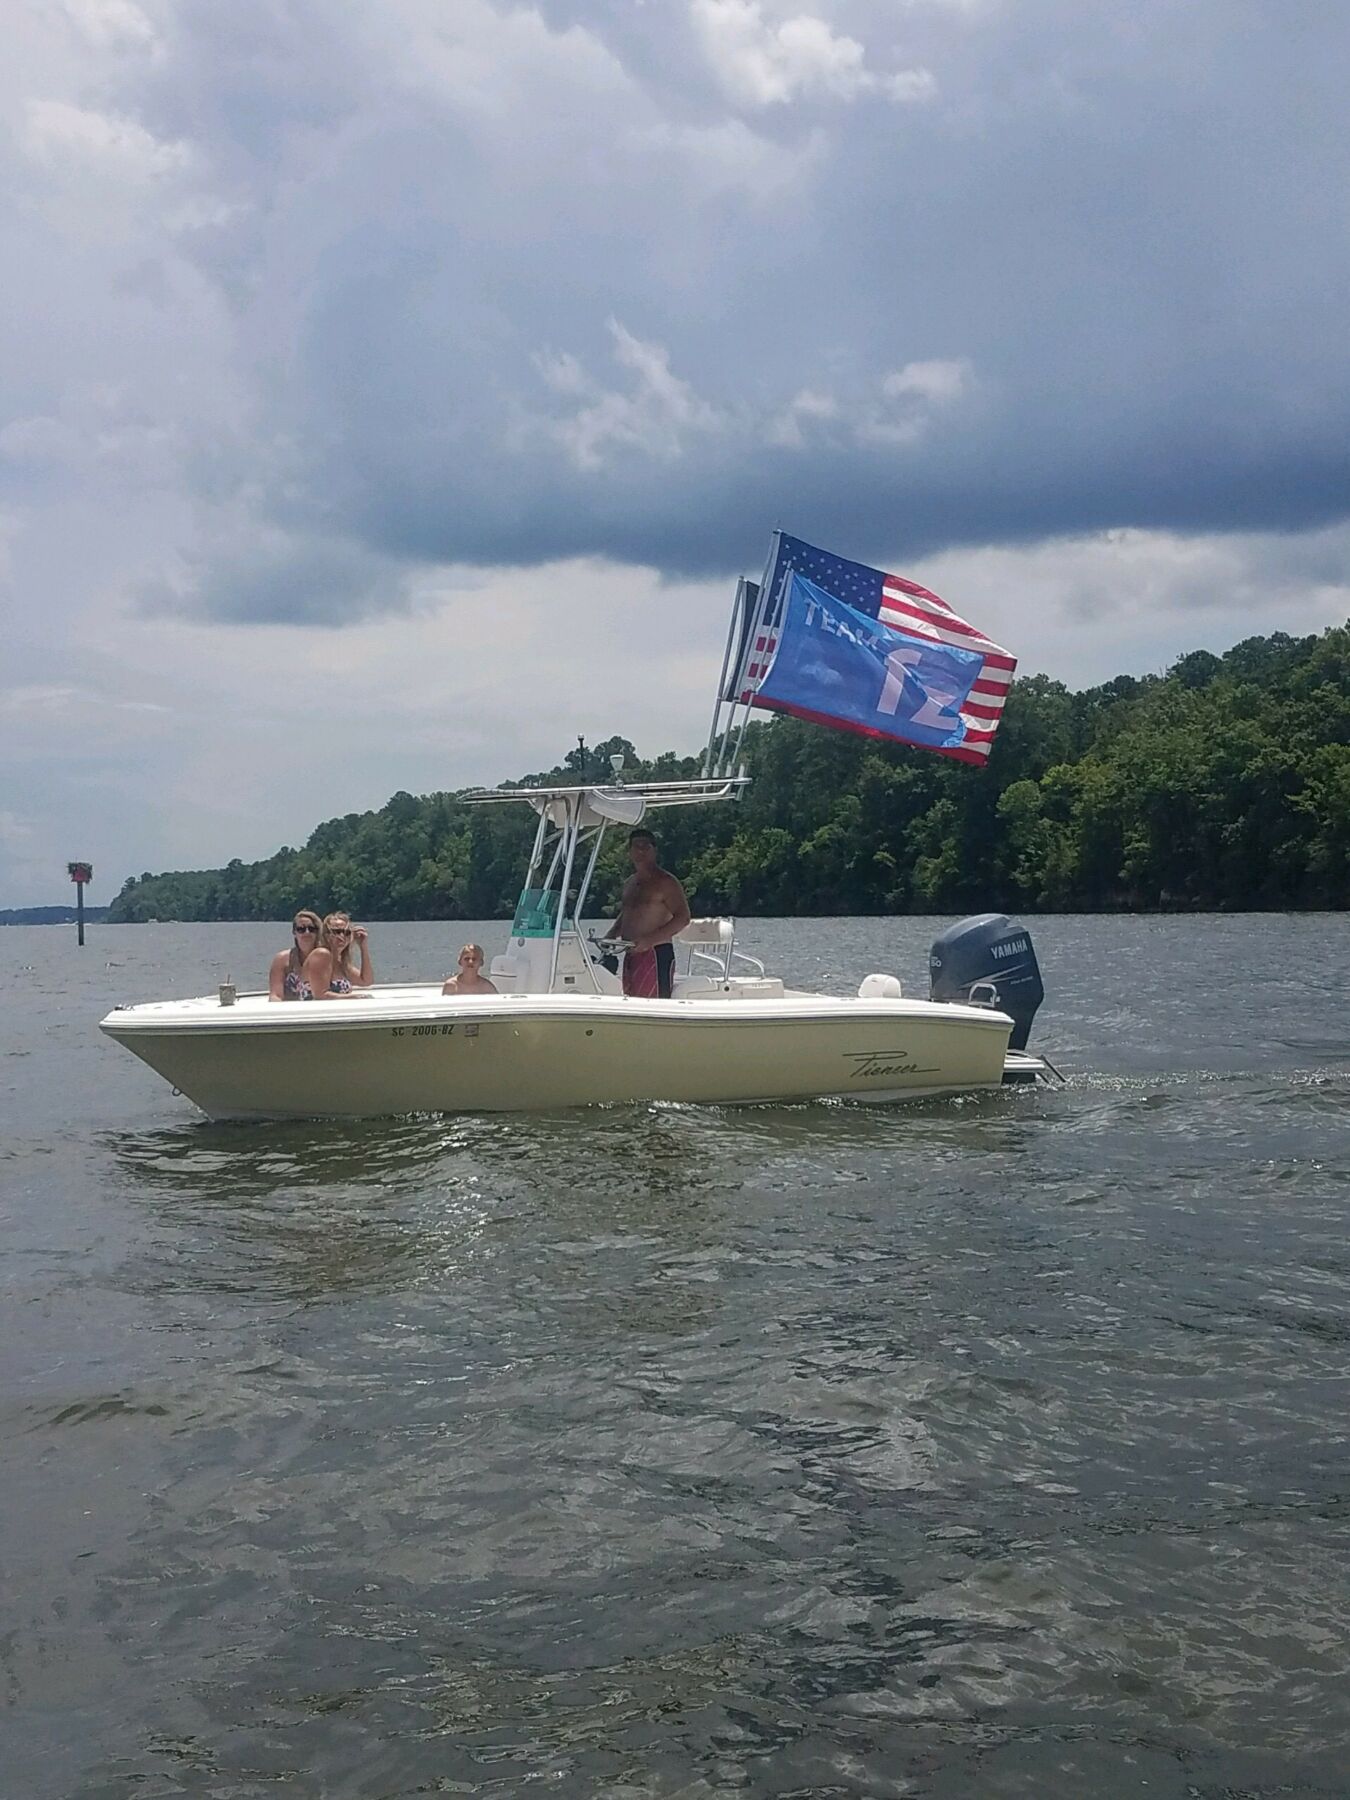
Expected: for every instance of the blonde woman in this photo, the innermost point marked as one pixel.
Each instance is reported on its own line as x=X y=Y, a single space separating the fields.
x=339 y=936
x=286 y=979
x=470 y=978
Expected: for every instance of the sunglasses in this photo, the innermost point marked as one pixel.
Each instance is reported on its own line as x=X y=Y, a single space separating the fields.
x=339 y=931
x=300 y=930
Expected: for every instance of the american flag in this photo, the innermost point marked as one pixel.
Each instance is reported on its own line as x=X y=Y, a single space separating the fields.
x=894 y=601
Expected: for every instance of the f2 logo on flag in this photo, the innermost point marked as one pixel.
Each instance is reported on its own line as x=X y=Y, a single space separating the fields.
x=932 y=712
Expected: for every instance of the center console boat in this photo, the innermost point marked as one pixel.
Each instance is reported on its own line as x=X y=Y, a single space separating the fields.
x=560 y=1032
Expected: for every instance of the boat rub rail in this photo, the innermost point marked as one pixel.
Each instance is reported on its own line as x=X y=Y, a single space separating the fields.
x=204 y=1015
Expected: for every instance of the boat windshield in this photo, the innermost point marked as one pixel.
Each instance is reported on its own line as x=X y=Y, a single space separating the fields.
x=536 y=913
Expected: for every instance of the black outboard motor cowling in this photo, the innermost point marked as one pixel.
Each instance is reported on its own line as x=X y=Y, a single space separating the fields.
x=992 y=952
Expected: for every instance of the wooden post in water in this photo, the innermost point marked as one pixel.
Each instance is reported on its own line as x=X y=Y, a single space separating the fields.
x=79 y=873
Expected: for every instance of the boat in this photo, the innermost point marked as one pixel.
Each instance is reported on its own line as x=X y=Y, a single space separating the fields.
x=561 y=1033
x=869 y=652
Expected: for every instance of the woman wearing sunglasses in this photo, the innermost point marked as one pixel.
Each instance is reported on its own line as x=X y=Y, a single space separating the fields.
x=339 y=938
x=287 y=979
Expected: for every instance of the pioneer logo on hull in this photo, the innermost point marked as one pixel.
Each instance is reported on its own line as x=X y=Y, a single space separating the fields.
x=868 y=1065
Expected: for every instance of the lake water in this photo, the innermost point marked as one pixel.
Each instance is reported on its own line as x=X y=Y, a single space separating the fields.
x=993 y=1447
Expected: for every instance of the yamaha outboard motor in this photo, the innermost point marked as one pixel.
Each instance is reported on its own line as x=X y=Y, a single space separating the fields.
x=984 y=953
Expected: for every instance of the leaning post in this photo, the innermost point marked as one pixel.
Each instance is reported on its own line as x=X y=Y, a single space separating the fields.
x=80 y=873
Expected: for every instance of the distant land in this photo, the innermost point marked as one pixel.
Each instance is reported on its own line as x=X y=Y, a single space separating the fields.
x=51 y=915
x=1223 y=784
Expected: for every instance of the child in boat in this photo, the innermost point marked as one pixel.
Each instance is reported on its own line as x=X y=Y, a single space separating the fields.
x=470 y=978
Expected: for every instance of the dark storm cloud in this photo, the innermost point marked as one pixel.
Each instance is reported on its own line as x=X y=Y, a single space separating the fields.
x=643 y=282
x=272 y=577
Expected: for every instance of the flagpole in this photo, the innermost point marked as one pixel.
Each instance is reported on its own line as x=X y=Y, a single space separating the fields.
x=756 y=624
x=736 y=606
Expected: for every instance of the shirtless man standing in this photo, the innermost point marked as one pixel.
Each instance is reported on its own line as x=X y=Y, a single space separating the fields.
x=654 y=911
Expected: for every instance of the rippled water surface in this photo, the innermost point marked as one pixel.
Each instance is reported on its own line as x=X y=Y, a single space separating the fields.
x=987 y=1447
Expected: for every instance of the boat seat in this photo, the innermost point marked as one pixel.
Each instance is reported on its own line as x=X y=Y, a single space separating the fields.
x=737 y=987
x=707 y=931
x=684 y=985
x=507 y=970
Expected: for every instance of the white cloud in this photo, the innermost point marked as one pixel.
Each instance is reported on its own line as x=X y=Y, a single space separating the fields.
x=56 y=131
x=761 y=63
x=112 y=24
x=728 y=158
x=935 y=382
x=35 y=699
x=494 y=64
x=808 y=409
x=909 y=87
x=1086 y=608
x=658 y=413
x=655 y=415
x=913 y=399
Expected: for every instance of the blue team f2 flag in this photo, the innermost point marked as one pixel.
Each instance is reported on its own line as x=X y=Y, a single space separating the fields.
x=864 y=651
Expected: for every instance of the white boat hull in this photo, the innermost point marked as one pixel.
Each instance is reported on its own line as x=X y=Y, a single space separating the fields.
x=411 y=1050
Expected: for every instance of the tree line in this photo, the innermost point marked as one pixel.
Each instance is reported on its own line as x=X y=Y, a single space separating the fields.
x=1223 y=783
x=50 y=915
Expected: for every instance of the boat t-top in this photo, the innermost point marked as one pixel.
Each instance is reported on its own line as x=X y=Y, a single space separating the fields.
x=560 y=1031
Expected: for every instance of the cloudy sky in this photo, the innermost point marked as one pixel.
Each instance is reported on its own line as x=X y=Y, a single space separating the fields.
x=390 y=392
